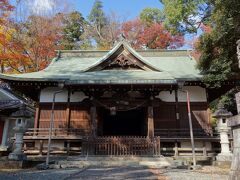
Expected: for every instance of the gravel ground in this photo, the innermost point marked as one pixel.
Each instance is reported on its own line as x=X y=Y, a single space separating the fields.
x=115 y=173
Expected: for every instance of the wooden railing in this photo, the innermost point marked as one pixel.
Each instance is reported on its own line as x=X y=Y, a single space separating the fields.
x=59 y=132
x=183 y=133
x=122 y=146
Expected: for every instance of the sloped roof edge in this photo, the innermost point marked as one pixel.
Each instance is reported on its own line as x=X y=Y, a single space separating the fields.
x=113 y=50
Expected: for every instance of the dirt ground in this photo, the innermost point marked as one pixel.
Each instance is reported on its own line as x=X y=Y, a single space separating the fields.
x=116 y=173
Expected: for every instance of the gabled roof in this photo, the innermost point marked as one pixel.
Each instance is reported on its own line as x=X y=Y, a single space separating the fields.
x=122 y=48
x=107 y=67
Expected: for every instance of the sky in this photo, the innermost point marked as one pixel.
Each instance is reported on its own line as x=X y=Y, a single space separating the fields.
x=128 y=9
x=125 y=9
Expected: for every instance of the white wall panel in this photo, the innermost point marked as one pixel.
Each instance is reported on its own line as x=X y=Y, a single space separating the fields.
x=197 y=94
x=46 y=95
x=77 y=97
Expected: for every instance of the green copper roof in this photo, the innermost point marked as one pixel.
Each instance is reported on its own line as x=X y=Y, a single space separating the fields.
x=74 y=67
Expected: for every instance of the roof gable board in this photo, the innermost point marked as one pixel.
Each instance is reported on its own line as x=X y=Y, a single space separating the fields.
x=124 y=57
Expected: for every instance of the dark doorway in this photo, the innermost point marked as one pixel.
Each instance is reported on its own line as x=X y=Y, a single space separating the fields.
x=124 y=123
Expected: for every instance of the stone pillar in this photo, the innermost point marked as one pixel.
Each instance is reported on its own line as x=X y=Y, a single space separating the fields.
x=222 y=116
x=237 y=96
x=5 y=134
x=234 y=123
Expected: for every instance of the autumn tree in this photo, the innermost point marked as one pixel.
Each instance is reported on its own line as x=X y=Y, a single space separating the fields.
x=150 y=36
x=12 y=56
x=40 y=37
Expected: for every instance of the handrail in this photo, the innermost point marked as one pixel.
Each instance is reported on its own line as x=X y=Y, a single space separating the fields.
x=183 y=133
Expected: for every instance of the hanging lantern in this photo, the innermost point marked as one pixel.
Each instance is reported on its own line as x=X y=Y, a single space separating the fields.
x=113 y=111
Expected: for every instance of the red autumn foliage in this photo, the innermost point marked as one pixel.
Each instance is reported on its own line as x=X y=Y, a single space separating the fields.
x=5 y=7
x=153 y=36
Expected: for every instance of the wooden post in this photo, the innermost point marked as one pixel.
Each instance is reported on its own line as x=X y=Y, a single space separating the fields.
x=68 y=147
x=177 y=109
x=150 y=133
x=36 y=120
x=204 y=149
x=93 y=120
x=68 y=111
x=176 y=149
x=41 y=147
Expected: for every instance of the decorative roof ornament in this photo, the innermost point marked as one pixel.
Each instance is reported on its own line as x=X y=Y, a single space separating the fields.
x=238 y=52
x=122 y=37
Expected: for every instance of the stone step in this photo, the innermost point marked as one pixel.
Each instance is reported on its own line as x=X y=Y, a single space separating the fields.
x=117 y=158
x=80 y=162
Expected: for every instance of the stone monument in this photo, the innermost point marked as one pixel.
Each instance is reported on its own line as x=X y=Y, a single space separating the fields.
x=234 y=123
x=20 y=128
x=222 y=116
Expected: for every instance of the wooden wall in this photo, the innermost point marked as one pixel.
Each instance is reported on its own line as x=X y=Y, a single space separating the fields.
x=79 y=117
x=165 y=115
x=59 y=116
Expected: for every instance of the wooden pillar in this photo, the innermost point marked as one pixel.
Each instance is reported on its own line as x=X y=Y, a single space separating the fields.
x=41 y=147
x=150 y=133
x=93 y=120
x=204 y=149
x=68 y=110
x=68 y=147
x=37 y=116
x=36 y=120
x=176 y=150
x=177 y=109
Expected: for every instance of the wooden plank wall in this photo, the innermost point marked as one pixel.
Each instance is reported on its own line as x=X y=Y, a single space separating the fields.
x=79 y=117
x=184 y=116
x=165 y=115
x=59 y=116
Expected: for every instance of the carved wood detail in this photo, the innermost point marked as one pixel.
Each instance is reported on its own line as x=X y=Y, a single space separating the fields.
x=122 y=61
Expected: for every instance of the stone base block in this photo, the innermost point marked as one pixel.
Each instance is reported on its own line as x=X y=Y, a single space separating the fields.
x=234 y=175
x=224 y=157
x=17 y=157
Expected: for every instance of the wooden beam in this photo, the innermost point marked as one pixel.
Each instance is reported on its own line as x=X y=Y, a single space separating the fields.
x=150 y=133
x=93 y=120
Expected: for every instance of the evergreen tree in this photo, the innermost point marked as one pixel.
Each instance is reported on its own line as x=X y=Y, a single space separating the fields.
x=151 y=15
x=217 y=47
x=73 y=31
x=97 y=20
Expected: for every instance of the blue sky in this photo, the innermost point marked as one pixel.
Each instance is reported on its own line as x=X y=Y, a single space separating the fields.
x=128 y=9
x=125 y=9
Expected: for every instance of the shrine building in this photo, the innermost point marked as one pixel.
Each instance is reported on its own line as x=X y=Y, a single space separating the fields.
x=118 y=102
